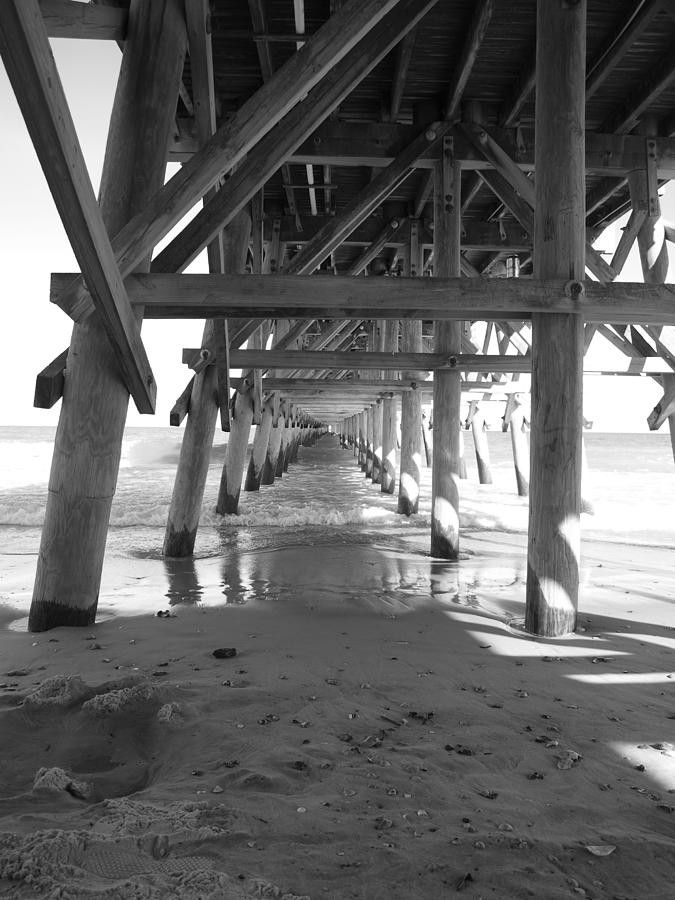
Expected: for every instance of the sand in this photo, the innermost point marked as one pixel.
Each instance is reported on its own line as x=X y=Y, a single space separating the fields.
x=370 y=738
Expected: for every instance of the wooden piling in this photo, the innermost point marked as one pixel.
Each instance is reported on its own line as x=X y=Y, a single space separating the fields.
x=193 y=464
x=389 y=414
x=520 y=447
x=237 y=445
x=557 y=339
x=377 y=442
x=261 y=439
x=480 y=441
x=369 y=441
x=446 y=454
x=88 y=440
x=273 y=450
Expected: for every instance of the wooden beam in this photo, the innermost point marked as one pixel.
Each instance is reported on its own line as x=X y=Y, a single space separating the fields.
x=328 y=297
x=297 y=126
x=67 y=19
x=375 y=248
x=197 y=14
x=181 y=407
x=50 y=382
x=474 y=38
x=31 y=69
x=524 y=190
x=376 y=144
x=625 y=117
x=259 y=21
x=332 y=235
x=619 y=44
x=233 y=140
x=476 y=235
x=404 y=53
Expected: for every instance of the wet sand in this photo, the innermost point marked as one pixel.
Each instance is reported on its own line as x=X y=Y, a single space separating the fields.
x=385 y=730
x=366 y=741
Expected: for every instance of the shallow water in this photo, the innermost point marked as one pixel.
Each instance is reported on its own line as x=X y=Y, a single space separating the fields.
x=324 y=535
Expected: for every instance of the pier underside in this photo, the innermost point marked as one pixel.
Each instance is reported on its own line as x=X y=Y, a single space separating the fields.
x=396 y=206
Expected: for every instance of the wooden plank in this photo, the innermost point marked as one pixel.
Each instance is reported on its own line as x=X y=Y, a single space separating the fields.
x=297 y=126
x=619 y=44
x=67 y=19
x=31 y=69
x=628 y=234
x=328 y=297
x=181 y=407
x=404 y=53
x=474 y=38
x=476 y=235
x=625 y=117
x=331 y=236
x=332 y=359
x=557 y=341
x=50 y=382
x=233 y=140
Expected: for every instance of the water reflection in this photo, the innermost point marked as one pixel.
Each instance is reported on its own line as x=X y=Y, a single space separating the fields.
x=329 y=569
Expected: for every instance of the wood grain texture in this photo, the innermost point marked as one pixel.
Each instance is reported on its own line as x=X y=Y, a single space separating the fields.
x=328 y=297
x=557 y=340
x=31 y=69
x=91 y=425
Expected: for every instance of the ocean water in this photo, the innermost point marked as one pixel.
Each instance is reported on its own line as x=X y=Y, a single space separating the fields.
x=323 y=501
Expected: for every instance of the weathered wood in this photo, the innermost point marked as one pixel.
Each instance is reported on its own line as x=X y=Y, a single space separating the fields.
x=272 y=454
x=89 y=435
x=237 y=445
x=389 y=414
x=66 y=19
x=261 y=440
x=188 y=491
x=520 y=447
x=410 y=460
x=376 y=144
x=197 y=15
x=255 y=118
x=474 y=38
x=481 y=447
x=376 y=247
x=49 y=383
x=181 y=407
x=28 y=59
x=331 y=236
x=369 y=442
x=446 y=452
x=327 y=297
x=557 y=340
x=297 y=126
x=377 y=442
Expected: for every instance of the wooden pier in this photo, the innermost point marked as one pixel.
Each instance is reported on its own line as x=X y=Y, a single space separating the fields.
x=370 y=189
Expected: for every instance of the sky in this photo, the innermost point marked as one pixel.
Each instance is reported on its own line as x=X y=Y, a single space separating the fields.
x=33 y=244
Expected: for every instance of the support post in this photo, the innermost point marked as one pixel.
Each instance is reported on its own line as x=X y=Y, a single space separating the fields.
x=557 y=340
x=446 y=454
x=88 y=441
x=205 y=402
x=369 y=442
x=377 y=442
x=261 y=440
x=389 y=413
x=520 y=446
x=481 y=446
x=411 y=401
